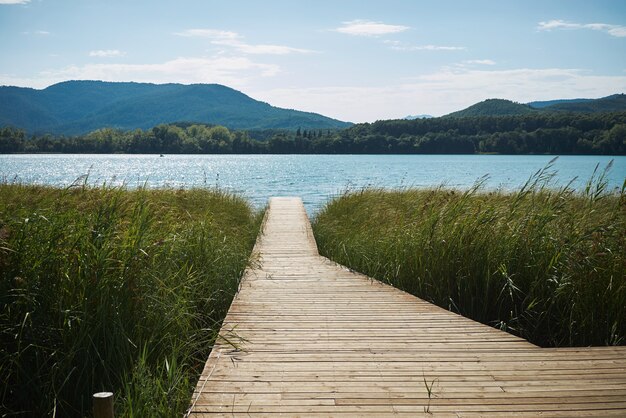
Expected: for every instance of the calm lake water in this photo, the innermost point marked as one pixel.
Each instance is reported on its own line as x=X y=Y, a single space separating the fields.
x=315 y=178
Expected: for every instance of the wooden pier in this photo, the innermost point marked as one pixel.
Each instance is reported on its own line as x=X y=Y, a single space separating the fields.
x=307 y=337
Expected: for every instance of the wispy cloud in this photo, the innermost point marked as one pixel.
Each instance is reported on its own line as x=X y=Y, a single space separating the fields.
x=208 y=33
x=399 y=46
x=428 y=48
x=234 y=40
x=14 y=1
x=369 y=28
x=261 y=49
x=613 y=30
x=479 y=62
x=232 y=71
x=37 y=32
x=106 y=53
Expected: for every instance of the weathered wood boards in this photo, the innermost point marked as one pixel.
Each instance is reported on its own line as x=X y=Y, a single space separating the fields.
x=307 y=337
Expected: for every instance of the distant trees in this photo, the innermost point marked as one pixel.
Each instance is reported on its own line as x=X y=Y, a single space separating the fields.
x=535 y=133
x=11 y=140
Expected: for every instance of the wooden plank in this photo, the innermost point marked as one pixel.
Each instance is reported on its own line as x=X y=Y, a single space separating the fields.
x=307 y=337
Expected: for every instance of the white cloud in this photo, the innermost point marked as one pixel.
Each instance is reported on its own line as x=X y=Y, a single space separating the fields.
x=479 y=62
x=400 y=47
x=613 y=30
x=369 y=28
x=37 y=32
x=437 y=48
x=14 y=1
x=261 y=49
x=208 y=33
x=106 y=53
x=231 y=71
x=443 y=92
x=234 y=40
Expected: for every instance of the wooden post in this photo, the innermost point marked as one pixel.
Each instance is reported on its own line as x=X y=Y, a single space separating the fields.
x=103 y=405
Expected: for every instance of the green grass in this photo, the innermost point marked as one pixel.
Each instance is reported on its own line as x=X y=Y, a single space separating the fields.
x=113 y=289
x=547 y=265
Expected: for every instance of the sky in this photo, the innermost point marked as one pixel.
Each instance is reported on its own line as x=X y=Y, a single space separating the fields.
x=357 y=61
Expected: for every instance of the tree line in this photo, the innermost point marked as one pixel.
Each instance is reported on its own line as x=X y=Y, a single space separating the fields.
x=548 y=133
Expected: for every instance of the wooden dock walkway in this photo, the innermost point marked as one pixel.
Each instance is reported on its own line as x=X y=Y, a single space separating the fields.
x=307 y=337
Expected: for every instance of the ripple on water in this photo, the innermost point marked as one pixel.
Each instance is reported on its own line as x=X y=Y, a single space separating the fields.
x=314 y=177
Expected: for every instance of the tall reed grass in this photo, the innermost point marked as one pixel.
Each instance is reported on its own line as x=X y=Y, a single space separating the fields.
x=546 y=264
x=113 y=289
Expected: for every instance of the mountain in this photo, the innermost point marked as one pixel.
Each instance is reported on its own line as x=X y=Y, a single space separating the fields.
x=493 y=107
x=501 y=107
x=413 y=117
x=613 y=103
x=75 y=107
x=547 y=103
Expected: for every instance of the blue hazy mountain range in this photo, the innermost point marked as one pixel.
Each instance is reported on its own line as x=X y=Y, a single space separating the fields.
x=76 y=107
x=502 y=107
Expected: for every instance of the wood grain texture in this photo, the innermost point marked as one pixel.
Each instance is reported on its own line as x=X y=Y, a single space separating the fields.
x=307 y=337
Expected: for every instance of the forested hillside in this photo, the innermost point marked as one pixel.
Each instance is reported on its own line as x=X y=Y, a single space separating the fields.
x=535 y=133
x=501 y=107
x=78 y=107
x=616 y=102
x=493 y=107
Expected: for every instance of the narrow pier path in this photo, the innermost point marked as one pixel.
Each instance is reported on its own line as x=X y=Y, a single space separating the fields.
x=307 y=337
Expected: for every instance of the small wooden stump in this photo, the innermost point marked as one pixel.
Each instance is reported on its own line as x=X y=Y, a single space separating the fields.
x=103 y=405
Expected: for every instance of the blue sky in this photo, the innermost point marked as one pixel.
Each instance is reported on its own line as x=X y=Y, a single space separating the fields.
x=352 y=60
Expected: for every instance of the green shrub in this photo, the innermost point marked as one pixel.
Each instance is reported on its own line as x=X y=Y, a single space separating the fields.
x=113 y=289
x=548 y=265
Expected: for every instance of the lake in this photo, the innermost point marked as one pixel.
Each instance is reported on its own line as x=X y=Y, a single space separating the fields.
x=315 y=178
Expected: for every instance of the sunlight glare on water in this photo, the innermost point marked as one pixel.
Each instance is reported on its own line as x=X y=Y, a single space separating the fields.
x=315 y=178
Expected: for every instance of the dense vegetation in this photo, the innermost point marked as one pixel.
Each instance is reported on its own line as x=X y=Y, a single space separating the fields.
x=494 y=107
x=534 y=133
x=501 y=107
x=547 y=265
x=111 y=289
x=546 y=103
x=77 y=107
x=616 y=102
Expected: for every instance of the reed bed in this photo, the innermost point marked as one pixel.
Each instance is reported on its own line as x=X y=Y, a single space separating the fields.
x=546 y=264
x=113 y=289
